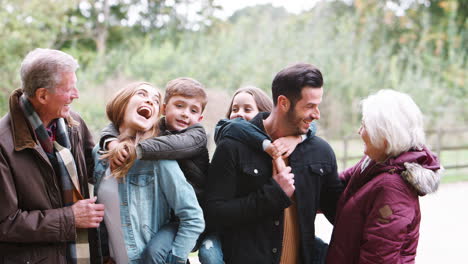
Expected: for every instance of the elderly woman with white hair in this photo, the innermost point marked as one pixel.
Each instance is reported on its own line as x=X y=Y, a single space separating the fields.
x=378 y=214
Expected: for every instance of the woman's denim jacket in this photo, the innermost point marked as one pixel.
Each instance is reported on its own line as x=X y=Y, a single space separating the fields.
x=147 y=194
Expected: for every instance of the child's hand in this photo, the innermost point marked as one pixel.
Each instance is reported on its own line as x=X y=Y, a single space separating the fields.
x=286 y=145
x=111 y=145
x=122 y=156
x=283 y=176
x=273 y=151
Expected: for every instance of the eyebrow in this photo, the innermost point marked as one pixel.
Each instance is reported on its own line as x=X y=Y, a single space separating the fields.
x=156 y=96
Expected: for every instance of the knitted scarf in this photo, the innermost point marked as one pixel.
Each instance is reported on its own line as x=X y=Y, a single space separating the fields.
x=77 y=251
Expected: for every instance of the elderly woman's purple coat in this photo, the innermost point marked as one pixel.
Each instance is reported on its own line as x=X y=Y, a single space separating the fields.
x=378 y=214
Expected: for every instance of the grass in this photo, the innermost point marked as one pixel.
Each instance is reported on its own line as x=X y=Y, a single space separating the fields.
x=451 y=176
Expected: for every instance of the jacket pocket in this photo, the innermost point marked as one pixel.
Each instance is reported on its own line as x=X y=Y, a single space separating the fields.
x=317 y=169
x=141 y=180
x=142 y=189
x=254 y=173
x=317 y=174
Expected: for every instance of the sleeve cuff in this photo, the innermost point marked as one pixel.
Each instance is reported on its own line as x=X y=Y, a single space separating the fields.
x=139 y=152
x=107 y=141
x=265 y=144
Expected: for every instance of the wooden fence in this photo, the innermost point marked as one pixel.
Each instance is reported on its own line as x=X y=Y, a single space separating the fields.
x=437 y=138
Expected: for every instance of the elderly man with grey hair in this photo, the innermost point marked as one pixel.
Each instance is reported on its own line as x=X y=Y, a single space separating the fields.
x=46 y=214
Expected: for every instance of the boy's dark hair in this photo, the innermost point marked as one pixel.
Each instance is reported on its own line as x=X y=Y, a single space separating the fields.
x=290 y=81
x=186 y=87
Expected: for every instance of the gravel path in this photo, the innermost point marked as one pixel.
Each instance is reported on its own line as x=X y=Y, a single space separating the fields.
x=443 y=231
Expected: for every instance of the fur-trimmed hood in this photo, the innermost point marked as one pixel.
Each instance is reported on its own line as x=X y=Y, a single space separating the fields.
x=424 y=180
x=419 y=167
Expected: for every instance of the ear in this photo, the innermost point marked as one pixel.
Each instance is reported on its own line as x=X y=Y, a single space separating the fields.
x=200 y=118
x=163 y=109
x=283 y=103
x=42 y=95
x=385 y=144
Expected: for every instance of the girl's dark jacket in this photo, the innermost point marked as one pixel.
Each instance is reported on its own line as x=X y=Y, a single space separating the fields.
x=378 y=215
x=247 y=206
x=34 y=225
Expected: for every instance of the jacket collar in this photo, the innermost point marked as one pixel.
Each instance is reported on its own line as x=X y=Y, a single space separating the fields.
x=420 y=168
x=258 y=120
x=23 y=133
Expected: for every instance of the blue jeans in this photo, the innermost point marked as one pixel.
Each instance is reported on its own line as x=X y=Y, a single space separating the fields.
x=158 y=249
x=210 y=250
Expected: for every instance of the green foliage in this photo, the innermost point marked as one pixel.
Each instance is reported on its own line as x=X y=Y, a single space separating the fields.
x=25 y=25
x=360 y=49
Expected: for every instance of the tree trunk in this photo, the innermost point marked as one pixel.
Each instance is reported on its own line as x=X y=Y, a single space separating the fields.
x=101 y=32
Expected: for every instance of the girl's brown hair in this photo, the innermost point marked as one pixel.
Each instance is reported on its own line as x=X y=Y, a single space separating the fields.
x=263 y=102
x=115 y=110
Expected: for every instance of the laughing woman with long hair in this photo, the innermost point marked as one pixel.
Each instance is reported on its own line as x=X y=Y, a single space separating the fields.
x=140 y=196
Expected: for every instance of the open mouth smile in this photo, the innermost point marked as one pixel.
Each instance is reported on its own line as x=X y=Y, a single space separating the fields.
x=145 y=111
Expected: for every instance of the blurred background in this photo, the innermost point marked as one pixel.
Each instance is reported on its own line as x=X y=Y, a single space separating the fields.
x=416 y=46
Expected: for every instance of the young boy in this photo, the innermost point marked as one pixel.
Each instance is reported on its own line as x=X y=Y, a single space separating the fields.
x=181 y=138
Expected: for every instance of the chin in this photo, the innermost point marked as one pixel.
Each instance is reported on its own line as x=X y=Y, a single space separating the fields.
x=65 y=115
x=144 y=128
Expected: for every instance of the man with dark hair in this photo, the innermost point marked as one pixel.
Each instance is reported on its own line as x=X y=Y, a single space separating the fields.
x=265 y=213
x=46 y=214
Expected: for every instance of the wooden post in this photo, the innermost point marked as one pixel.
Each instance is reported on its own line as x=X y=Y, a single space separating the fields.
x=345 y=152
x=439 y=142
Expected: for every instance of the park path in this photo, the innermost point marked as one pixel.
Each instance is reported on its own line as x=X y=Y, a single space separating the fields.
x=443 y=230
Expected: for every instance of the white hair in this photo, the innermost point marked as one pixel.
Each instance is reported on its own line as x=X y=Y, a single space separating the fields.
x=393 y=117
x=43 y=68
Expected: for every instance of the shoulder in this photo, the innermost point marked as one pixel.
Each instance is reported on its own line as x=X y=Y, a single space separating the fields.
x=75 y=120
x=5 y=124
x=229 y=149
x=165 y=166
x=230 y=144
x=317 y=148
x=195 y=129
x=387 y=183
x=318 y=142
x=75 y=116
x=6 y=132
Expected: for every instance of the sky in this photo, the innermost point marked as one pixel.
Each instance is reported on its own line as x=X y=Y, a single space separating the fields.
x=297 y=6
x=293 y=6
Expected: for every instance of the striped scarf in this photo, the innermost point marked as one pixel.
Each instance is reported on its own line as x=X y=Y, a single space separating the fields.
x=77 y=251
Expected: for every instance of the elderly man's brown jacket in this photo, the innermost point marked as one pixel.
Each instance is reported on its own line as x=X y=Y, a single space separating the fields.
x=34 y=225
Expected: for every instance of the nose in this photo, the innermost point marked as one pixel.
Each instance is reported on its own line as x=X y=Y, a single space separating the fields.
x=185 y=112
x=240 y=114
x=149 y=101
x=316 y=114
x=360 y=130
x=75 y=94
